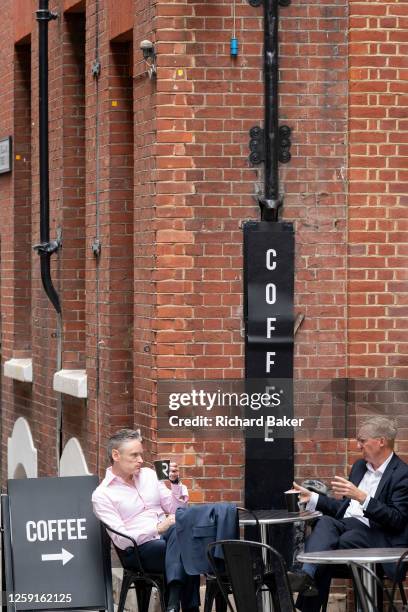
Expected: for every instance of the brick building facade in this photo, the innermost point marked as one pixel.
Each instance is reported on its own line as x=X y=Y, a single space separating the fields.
x=156 y=172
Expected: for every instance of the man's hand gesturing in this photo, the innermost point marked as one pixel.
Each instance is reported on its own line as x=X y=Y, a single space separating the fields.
x=342 y=486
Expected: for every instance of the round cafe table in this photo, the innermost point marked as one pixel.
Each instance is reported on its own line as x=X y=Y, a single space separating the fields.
x=366 y=556
x=276 y=517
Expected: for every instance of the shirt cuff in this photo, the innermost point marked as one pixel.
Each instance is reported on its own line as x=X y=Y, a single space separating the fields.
x=179 y=490
x=312 y=503
x=366 y=502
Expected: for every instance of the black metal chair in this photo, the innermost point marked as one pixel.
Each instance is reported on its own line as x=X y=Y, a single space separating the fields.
x=135 y=577
x=367 y=599
x=399 y=578
x=212 y=589
x=253 y=571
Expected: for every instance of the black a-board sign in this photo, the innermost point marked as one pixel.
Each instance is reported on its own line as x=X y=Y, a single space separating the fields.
x=54 y=551
x=269 y=340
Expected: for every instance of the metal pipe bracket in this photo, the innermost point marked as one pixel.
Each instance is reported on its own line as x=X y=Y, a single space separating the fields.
x=47 y=248
x=45 y=15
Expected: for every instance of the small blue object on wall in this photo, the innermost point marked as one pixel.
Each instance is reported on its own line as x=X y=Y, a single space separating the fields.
x=234 y=47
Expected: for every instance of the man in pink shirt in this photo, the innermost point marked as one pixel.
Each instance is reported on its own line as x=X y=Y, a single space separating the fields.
x=133 y=501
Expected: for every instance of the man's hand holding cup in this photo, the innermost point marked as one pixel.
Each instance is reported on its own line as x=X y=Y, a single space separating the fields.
x=304 y=494
x=167 y=470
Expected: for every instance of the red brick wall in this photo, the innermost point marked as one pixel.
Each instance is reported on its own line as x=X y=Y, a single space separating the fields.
x=378 y=289
x=314 y=103
x=72 y=215
x=146 y=194
x=373 y=345
x=22 y=201
x=99 y=272
x=14 y=224
x=120 y=17
x=22 y=19
x=207 y=103
x=121 y=235
x=165 y=187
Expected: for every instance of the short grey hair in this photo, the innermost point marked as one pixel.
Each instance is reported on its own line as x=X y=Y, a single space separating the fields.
x=380 y=427
x=121 y=437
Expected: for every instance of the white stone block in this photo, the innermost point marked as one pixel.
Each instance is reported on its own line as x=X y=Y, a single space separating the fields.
x=19 y=369
x=71 y=382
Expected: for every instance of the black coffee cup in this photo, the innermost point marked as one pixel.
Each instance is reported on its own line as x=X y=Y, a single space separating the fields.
x=292 y=499
x=162 y=467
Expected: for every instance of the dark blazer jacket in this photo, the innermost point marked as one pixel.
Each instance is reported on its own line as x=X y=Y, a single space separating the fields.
x=388 y=509
x=198 y=526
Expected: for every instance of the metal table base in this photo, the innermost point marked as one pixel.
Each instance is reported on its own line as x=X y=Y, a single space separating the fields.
x=366 y=556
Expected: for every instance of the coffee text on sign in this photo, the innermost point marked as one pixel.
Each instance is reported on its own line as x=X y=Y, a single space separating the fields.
x=56 y=529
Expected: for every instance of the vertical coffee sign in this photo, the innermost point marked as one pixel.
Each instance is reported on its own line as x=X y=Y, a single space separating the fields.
x=269 y=319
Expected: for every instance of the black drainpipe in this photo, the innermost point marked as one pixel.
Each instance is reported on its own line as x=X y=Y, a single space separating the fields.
x=46 y=247
x=272 y=143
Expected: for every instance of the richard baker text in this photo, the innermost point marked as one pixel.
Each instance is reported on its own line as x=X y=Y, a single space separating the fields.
x=235 y=421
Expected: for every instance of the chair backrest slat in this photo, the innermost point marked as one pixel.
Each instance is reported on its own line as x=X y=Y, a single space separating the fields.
x=250 y=568
x=239 y=567
x=253 y=530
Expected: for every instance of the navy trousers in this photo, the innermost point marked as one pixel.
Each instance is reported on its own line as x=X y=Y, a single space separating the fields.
x=331 y=534
x=163 y=557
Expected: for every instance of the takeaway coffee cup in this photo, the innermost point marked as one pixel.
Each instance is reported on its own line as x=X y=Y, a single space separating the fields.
x=292 y=499
x=162 y=467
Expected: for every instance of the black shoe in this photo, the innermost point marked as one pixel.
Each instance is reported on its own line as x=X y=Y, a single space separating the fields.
x=303 y=584
x=173 y=609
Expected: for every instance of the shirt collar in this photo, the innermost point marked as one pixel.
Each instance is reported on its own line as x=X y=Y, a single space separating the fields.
x=110 y=477
x=382 y=467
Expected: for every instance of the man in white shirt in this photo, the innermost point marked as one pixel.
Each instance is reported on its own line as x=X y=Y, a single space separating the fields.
x=372 y=511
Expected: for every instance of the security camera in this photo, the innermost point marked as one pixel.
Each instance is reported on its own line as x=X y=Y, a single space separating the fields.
x=147 y=48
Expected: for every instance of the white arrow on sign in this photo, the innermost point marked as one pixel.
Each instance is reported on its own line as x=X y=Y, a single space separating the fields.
x=63 y=556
